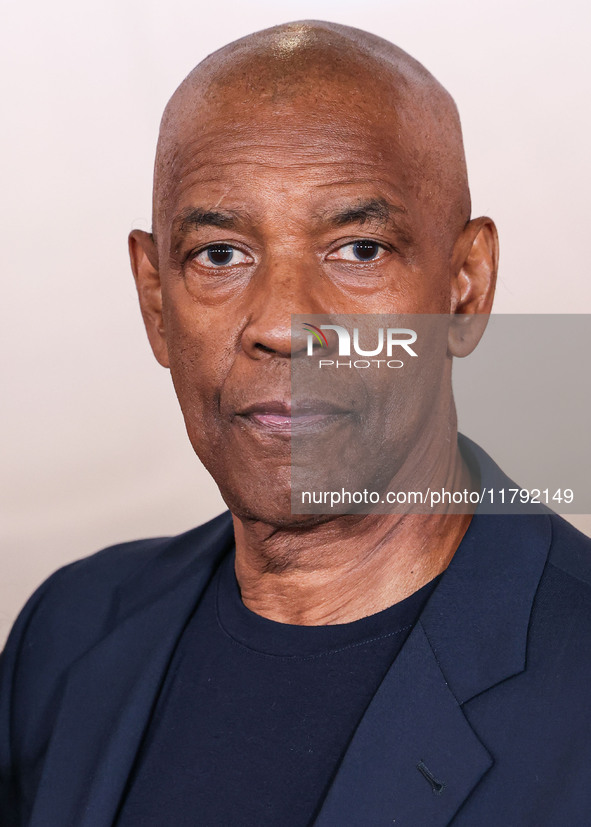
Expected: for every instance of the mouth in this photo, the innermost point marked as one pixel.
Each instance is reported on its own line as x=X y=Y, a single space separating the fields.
x=283 y=419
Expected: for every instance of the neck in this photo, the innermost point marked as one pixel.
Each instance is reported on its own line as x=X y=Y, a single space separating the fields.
x=347 y=567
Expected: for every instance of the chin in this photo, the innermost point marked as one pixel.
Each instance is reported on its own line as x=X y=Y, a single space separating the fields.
x=270 y=507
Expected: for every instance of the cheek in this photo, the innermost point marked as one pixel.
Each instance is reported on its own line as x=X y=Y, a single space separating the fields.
x=437 y=277
x=198 y=356
x=430 y=293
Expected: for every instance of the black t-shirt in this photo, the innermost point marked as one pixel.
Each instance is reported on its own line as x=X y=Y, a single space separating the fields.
x=254 y=716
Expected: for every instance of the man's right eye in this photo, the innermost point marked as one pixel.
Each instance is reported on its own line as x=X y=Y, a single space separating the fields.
x=221 y=255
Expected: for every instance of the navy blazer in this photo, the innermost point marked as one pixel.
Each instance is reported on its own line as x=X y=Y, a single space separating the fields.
x=483 y=719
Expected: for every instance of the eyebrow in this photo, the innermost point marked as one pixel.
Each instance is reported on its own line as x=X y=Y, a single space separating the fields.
x=196 y=218
x=375 y=209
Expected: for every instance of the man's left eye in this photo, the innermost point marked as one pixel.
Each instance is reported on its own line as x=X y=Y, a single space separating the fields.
x=221 y=255
x=363 y=250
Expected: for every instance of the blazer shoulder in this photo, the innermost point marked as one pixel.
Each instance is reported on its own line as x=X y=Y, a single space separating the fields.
x=570 y=552
x=113 y=567
x=80 y=602
x=559 y=634
x=562 y=607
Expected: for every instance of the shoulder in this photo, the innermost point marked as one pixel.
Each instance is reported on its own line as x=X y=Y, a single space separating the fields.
x=570 y=552
x=561 y=617
x=83 y=600
x=93 y=580
x=111 y=567
x=565 y=586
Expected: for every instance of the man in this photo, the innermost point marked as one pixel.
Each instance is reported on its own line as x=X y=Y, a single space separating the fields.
x=277 y=669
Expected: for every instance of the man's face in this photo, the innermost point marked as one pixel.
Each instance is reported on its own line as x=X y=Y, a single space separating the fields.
x=307 y=205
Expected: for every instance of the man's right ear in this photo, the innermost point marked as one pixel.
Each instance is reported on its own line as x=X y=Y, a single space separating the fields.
x=144 y=263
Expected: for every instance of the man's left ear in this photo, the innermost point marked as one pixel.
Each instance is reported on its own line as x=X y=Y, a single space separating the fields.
x=475 y=262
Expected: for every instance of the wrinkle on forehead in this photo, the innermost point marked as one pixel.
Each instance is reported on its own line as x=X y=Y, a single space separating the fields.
x=318 y=68
x=230 y=155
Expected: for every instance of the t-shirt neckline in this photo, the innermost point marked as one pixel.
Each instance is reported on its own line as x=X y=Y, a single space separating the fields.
x=271 y=637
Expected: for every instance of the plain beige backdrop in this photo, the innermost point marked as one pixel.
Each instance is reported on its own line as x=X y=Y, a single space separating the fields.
x=93 y=444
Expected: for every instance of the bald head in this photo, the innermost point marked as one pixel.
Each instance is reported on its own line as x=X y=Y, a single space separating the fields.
x=327 y=70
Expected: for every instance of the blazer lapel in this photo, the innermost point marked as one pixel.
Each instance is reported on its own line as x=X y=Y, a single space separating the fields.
x=414 y=757
x=110 y=693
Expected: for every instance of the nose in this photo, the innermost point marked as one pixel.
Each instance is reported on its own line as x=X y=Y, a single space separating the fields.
x=278 y=291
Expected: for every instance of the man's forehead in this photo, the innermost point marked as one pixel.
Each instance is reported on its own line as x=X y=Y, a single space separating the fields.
x=323 y=151
x=255 y=187
x=343 y=114
x=286 y=93
x=291 y=141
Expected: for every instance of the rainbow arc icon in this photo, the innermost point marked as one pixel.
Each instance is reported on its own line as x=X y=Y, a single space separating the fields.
x=315 y=331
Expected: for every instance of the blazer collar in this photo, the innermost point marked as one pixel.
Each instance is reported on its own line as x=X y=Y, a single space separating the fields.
x=477 y=620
